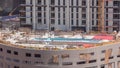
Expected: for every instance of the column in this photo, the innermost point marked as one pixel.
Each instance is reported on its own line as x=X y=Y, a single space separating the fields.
x=34 y=14
x=47 y=15
x=68 y=15
x=88 y=19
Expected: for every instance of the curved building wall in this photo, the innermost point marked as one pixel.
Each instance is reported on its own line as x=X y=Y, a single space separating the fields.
x=13 y=57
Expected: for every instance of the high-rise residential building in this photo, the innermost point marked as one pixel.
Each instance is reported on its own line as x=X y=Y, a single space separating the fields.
x=69 y=14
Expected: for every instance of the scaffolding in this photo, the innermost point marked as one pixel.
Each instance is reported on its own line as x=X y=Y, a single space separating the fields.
x=101 y=5
x=101 y=15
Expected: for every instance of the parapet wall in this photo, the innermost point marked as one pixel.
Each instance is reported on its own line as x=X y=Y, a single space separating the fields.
x=107 y=56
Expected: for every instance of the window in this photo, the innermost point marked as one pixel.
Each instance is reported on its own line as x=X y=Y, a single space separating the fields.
x=116 y=3
x=52 y=21
x=71 y=9
x=63 y=15
x=63 y=9
x=65 y=56
x=106 y=23
x=67 y=63
x=58 y=21
x=1 y=49
x=72 y=15
x=16 y=60
x=58 y=2
x=72 y=22
x=77 y=15
x=38 y=62
x=92 y=61
x=83 y=16
x=71 y=2
x=58 y=15
x=92 y=22
x=77 y=2
x=39 y=21
x=8 y=59
x=115 y=16
x=116 y=10
x=106 y=16
x=84 y=10
x=27 y=62
x=52 y=15
x=44 y=14
x=39 y=15
x=82 y=62
x=28 y=55
x=83 y=2
x=16 y=66
x=23 y=1
x=83 y=22
x=64 y=22
x=37 y=55
x=77 y=23
x=15 y=53
x=52 y=2
x=44 y=21
x=106 y=10
x=77 y=9
x=44 y=2
x=39 y=9
x=39 y=2
x=92 y=16
x=92 y=2
x=9 y=51
x=106 y=3
x=63 y=2
x=52 y=8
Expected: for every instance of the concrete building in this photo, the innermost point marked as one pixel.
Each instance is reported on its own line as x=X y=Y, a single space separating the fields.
x=69 y=14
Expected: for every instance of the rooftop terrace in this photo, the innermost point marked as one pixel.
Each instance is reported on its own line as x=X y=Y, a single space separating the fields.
x=50 y=41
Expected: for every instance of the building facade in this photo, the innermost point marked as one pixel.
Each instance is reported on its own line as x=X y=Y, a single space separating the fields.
x=25 y=57
x=69 y=14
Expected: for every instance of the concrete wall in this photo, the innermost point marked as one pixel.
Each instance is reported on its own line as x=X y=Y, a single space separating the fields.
x=96 y=59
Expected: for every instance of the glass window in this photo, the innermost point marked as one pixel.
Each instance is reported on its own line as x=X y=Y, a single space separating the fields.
x=83 y=2
x=71 y=2
x=83 y=22
x=52 y=2
x=39 y=21
x=58 y=2
x=52 y=21
x=37 y=55
x=72 y=22
x=28 y=55
x=63 y=2
x=64 y=22
x=77 y=2
x=39 y=2
x=15 y=53
x=44 y=21
x=58 y=21
x=16 y=66
x=9 y=51
x=1 y=49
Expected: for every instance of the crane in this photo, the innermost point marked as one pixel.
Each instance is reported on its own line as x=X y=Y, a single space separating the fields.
x=101 y=15
x=10 y=14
